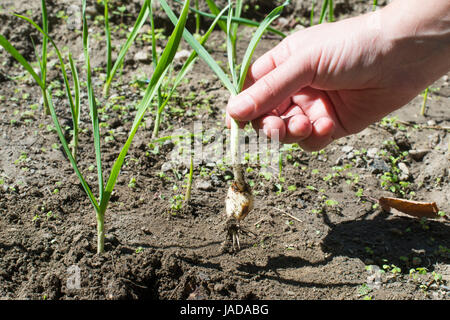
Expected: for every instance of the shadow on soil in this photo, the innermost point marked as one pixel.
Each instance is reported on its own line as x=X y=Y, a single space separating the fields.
x=384 y=239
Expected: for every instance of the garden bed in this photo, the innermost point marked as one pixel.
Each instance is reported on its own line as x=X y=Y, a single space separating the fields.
x=339 y=245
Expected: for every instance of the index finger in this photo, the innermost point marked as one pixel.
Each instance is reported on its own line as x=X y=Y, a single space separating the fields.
x=267 y=62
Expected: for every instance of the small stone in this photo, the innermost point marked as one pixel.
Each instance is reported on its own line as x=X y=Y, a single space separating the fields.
x=167 y=166
x=378 y=166
x=347 y=149
x=404 y=171
x=282 y=22
x=73 y=17
x=37 y=71
x=210 y=165
x=372 y=153
x=182 y=55
x=431 y=122
x=219 y=287
x=205 y=185
x=142 y=56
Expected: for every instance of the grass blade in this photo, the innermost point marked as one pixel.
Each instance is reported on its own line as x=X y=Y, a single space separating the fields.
x=43 y=60
x=143 y=14
x=231 y=48
x=215 y=11
x=311 y=18
x=375 y=5
x=197 y=19
x=234 y=26
x=254 y=42
x=92 y=103
x=76 y=109
x=240 y=20
x=157 y=77
x=108 y=42
x=69 y=154
x=323 y=11
x=19 y=58
x=184 y=70
x=330 y=11
x=155 y=63
x=201 y=51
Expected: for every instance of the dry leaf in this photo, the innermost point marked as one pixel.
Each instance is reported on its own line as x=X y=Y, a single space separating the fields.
x=412 y=208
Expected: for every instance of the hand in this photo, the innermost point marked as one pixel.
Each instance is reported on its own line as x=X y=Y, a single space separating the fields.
x=335 y=79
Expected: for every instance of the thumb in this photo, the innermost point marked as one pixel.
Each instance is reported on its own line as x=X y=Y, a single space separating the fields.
x=274 y=87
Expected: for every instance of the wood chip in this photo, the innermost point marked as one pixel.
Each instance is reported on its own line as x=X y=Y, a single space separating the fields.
x=409 y=207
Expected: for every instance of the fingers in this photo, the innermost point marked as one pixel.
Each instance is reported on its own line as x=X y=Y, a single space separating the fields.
x=268 y=62
x=311 y=136
x=272 y=79
x=228 y=122
x=310 y=122
x=268 y=92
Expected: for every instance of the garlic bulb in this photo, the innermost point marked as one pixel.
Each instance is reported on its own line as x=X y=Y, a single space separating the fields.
x=238 y=204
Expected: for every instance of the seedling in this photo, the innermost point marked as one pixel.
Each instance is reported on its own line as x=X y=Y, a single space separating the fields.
x=239 y=200
x=187 y=196
x=424 y=102
x=105 y=192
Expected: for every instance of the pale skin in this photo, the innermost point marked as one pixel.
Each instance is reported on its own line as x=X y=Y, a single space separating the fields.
x=335 y=79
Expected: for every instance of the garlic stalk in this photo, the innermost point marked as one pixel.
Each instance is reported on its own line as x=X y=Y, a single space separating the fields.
x=240 y=200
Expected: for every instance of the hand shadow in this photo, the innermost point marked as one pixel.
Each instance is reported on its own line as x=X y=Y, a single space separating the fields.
x=387 y=239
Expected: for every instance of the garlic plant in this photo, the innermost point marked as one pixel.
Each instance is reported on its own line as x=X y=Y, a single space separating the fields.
x=239 y=201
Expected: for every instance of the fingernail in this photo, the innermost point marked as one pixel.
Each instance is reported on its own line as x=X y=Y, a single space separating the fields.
x=323 y=126
x=241 y=107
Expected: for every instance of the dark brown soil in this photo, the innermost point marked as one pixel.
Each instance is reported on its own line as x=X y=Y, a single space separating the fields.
x=345 y=247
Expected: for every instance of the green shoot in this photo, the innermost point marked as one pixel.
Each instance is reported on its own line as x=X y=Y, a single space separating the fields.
x=330 y=11
x=43 y=61
x=187 y=196
x=143 y=14
x=424 y=102
x=311 y=18
x=240 y=20
x=323 y=11
x=239 y=199
x=76 y=107
x=375 y=5
x=108 y=42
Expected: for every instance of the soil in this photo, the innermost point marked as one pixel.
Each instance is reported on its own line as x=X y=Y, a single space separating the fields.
x=321 y=237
